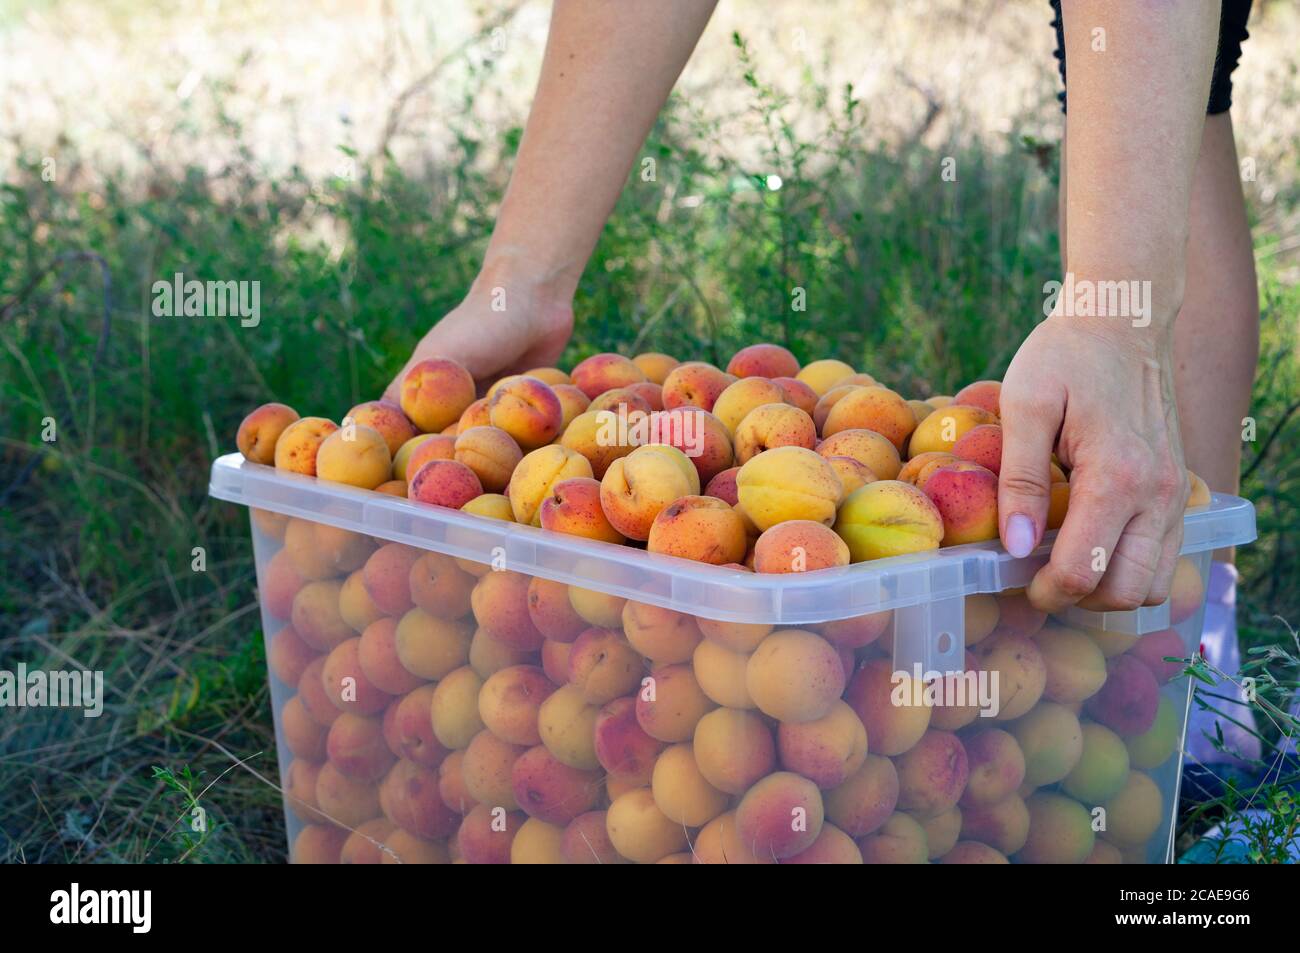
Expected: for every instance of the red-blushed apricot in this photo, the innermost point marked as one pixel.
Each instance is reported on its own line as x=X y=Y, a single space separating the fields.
x=300 y=790
x=700 y=528
x=318 y=844
x=852 y=473
x=444 y=483
x=983 y=445
x=550 y=790
x=723 y=486
x=888 y=518
x=1153 y=648
x=827 y=751
x=602 y=372
x=355 y=745
x=536 y=475
x=651 y=393
x=345 y=800
x=655 y=366
x=789 y=483
x=872 y=408
x=451 y=783
x=303 y=735
x=932 y=774
x=1128 y=699
x=832 y=846
x=439 y=586
x=486 y=768
x=260 y=430
x=892 y=728
x=719 y=842
x=509 y=702
x=315 y=701
x=983 y=394
x=822 y=409
x=773 y=425
x=869 y=448
x=316 y=618
x=377 y=656
x=500 y=601
x=671 y=703
x=430 y=647
x=698 y=434
x=486 y=834
x=549 y=375
x=733 y=749
x=856 y=632
x=435 y=392
x=1020 y=670
x=528 y=410
x=637 y=487
x=586 y=841
x=410 y=799
x=914 y=469
x=900 y=840
x=1016 y=614
x=603 y=665
x=491 y=453
x=798 y=393
x=640 y=831
x=694 y=384
x=551 y=611
x=573 y=506
x=780 y=816
x=735 y=403
x=794 y=676
x=387 y=577
x=957 y=704
x=573 y=403
x=967 y=500
x=663 y=636
x=432 y=447
x=799 y=546
x=996 y=766
x=408 y=728
x=942 y=429
x=355 y=605
x=597 y=436
x=346 y=683
x=763 y=360
x=973 y=852
x=288 y=656
x=555 y=660
x=296 y=448
x=866 y=799
x=621 y=400
x=404 y=453
x=824 y=375
x=388 y=419
x=622 y=746
x=475 y=415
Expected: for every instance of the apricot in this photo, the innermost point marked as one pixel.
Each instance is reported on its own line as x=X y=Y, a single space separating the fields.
x=697 y=433
x=981 y=444
x=932 y=774
x=780 y=816
x=367 y=844
x=822 y=409
x=942 y=429
x=939 y=400
x=486 y=769
x=1134 y=813
x=919 y=467
x=865 y=799
x=858 y=631
x=671 y=703
x=603 y=666
x=744 y=396
x=596 y=436
x=408 y=728
x=981 y=617
x=640 y=831
x=1060 y=831
x=573 y=507
x=1052 y=742
x=892 y=728
x=536 y=475
x=1076 y=667
x=355 y=605
x=318 y=844
x=1186 y=591
x=500 y=602
x=852 y=474
x=486 y=834
x=555 y=660
x=1112 y=643
x=387 y=577
x=827 y=751
x=550 y=375
x=402 y=457
x=889 y=518
x=586 y=841
x=1002 y=825
x=476 y=414
x=433 y=447
x=1127 y=701
x=439 y=586
x=600 y=609
x=900 y=840
x=410 y=798
x=661 y=635
x=1198 y=493
x=302 y=734
x=1103 y=853
x=346 y=683
x=736 y=636
x=287 y=655
x=567 y=725
x=832 y=846
x=973 y=852
x=453 y=708
x=320 y=552
x=773 y=425
x=798 y=393
x=719 y=842
x=260 y=431
x=446 y=483
x=1016 y=614
x=537 y=843
x=967 y=500
x=983 y=394
x=379 y=661
x=1158 y=743
x=1020 y=671
x=733 y=749
x=622 y=746
x=435 y=392
x=700 y=528
x=869 y=448
x=487 y=654
x=573 y=403
x=388 y=419
x=347 y=801
x=655 y=366
x=298 y=443
x=788 y=483
x=510 y=700
x=763 y=360
x=1102 y=768
x=279 y=583
x=315 y=701
x=799 y=546
x=636 y=488
x=528 y=410
x=681 y=791
x=941 y=831
x=622 y=401
x=551 y=612
x=1153 y=648
x=430 y=647
x=795 y=676
x=403 y=847
x=551 y=791
x=300 y=790
x=694 y=384
x=722 y=674
x=602 y=372
x=491 y=453
x=872 y=408
x=996 y=766
x=957 y=688
x=823 y=375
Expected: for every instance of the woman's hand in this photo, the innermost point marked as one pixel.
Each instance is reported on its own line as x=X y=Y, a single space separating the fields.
x=1099 y=392
x=511 y=321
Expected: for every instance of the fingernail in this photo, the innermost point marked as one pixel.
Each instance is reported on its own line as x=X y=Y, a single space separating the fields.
x=1020 y=535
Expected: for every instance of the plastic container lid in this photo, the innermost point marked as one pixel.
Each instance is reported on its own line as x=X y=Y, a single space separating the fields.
x=712 y=592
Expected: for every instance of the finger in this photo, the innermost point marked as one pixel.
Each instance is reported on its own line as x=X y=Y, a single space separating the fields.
x=1131 y=569
x=1085 y=545
x=1029 y=431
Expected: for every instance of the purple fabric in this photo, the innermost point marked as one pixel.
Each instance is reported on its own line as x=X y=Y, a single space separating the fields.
x=1219 y=647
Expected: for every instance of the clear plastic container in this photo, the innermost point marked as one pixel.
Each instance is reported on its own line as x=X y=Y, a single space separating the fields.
x=522 y=695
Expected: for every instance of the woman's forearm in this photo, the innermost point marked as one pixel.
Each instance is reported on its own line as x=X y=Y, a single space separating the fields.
x=608 y=68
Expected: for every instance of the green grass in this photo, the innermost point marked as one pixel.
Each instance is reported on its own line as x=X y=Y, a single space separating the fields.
x=923 y=283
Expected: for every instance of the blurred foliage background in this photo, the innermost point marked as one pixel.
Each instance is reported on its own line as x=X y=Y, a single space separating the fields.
x=350 y=156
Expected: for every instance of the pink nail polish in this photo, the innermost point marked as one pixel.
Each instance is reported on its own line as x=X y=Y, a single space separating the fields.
x=1020 y=535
